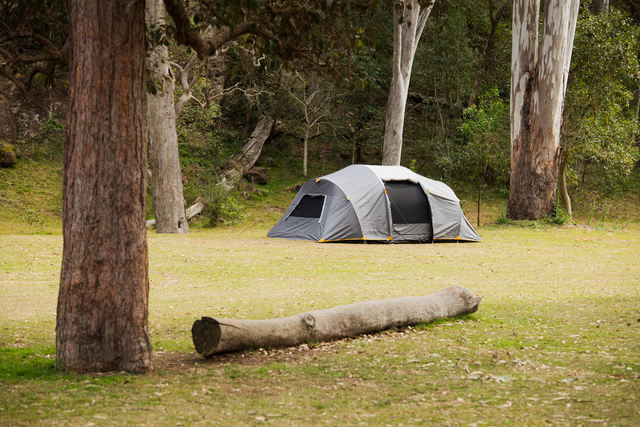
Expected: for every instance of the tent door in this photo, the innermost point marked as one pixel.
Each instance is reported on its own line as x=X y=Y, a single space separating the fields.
x=413 y=229
x=410 y=211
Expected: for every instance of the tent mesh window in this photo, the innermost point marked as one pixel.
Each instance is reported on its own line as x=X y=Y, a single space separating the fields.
x=309 y=207
x=409 y=204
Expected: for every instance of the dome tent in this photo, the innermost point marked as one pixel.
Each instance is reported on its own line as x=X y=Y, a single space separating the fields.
x=375 y=203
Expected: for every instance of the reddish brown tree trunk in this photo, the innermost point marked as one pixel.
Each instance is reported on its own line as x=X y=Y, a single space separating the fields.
x=104 y=283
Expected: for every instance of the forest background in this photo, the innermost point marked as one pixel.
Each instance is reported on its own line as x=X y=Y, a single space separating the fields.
x=456 y=123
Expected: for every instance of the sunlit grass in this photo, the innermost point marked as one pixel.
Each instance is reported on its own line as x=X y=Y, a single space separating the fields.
x=35 y=186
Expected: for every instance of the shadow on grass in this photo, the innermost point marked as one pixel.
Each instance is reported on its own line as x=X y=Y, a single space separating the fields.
x=20 y=364
x=29 y=363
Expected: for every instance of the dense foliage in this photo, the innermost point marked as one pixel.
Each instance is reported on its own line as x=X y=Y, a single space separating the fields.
x=600 y=126
x=345 y=47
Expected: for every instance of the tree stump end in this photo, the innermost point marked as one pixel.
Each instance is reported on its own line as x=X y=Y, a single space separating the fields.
x=206 y=335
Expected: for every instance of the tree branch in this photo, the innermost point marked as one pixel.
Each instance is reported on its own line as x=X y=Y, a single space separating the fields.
x=184 y=74
x=186 y=34
x=54 y=54
x=15 y=80
x=35 y=70
x=422 y=20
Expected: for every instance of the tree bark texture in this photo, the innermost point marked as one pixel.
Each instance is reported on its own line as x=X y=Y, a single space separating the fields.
x=305 y=151
x=216 y=70
x=212 y=336
x=603 y=7
x=538 y=83
x=408 y=23
x=166 y=177
x=104 y=282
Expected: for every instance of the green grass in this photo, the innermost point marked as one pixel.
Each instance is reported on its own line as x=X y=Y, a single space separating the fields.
x=556 y=340
x=31 y=185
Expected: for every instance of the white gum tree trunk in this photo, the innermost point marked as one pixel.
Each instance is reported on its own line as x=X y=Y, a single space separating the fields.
x=539 y=73
x=166 y=178
x=408 y=22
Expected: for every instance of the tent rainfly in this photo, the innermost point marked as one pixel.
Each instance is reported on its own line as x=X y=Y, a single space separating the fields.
x=375 y=203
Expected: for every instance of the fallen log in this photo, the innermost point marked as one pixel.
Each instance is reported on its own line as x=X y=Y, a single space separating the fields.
x=248 y=157
x=213 y=336
x=193 y=210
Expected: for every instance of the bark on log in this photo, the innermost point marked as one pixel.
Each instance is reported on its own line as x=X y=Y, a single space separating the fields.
x=195 y=208
x=248 y=156
x=213 y=336
x=230 y=179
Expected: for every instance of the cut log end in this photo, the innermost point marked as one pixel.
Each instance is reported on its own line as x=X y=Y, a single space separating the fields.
x=472 y=301
x=206 y=335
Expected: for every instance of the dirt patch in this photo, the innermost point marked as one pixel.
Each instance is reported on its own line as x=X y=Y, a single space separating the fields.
x=168 y=360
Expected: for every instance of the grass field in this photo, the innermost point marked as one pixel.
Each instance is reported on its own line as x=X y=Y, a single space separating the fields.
x=556 y=340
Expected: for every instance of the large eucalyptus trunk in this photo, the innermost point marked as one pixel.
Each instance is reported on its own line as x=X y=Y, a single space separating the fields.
x=104 y=282
x=408 y=23
x=166 y=177
x=539 y=76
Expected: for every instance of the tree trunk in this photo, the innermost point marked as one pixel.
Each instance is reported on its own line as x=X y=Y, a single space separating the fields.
x=484 y=173
x=562 y=188
x=408 y=23
x=603 y=7
x=247 y=119
x=488 y=49
x=538 y=85
x=212 y=336
x=166 y=177
x=305 y=152
x=216 y=70
x=104 y=284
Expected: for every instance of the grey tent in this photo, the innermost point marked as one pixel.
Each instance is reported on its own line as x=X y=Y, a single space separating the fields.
x=375 y=203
